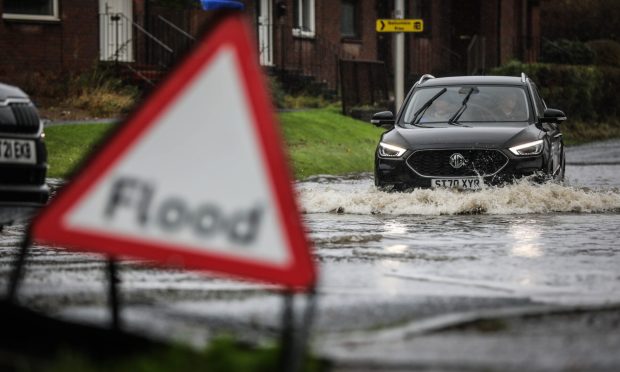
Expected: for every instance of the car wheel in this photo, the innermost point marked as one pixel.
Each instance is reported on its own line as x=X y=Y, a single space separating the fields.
x=385 y=187
x=562 y=173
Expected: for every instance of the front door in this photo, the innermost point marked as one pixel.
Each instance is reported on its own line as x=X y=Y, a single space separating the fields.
x=116 y=30
x=265 y=32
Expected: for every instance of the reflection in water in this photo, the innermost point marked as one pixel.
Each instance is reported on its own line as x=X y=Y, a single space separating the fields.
x=389 y=285
x=395 y=227
x=525 y=241
x=396 y=249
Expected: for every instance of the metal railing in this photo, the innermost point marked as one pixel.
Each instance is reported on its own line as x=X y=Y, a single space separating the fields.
x=147 y=49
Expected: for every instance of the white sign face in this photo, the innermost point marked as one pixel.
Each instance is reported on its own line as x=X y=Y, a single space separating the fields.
x=196 y=179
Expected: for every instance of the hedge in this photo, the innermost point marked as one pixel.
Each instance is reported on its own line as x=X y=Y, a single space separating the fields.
x=567 y=51
x=606 y=52
x=586 y=93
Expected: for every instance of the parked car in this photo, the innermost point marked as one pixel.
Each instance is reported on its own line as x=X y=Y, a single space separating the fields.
x=23 y=156
x=463 y=132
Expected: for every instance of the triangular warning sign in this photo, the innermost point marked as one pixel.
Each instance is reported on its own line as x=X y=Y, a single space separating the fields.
x=195 y=177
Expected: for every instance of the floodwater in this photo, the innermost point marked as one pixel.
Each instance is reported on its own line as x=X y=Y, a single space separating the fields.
x=385 y=259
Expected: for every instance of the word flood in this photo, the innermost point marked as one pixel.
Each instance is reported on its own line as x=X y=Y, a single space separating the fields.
x=173 y=214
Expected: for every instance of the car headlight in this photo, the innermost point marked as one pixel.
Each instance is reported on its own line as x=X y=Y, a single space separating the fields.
x=530 y=148
x=390 y=151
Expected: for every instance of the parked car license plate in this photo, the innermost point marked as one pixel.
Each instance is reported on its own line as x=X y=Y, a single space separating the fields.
x=17 y=151
x=456 y=183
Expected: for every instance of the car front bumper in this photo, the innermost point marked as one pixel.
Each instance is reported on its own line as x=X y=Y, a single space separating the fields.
x=19 y=203
x=398 y=173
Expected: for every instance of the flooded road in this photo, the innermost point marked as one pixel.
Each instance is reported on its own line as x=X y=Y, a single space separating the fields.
x=388 y=263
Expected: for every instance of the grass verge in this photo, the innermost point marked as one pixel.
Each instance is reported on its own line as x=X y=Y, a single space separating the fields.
x=67 y=145
x=319 y=142
x=323 y=141
x=222 y=355
x=576 y=133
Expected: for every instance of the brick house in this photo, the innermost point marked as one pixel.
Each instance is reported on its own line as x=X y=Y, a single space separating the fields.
x=304 y=37
x=67 y=36
x=51 y=37
x=460 y=37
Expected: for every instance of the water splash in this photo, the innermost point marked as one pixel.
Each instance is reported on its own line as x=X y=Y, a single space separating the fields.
x=519 y=198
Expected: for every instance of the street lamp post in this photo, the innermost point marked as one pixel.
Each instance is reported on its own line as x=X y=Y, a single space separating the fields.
x=399 y=57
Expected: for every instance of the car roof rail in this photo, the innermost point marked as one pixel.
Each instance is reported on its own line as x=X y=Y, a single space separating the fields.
x=524 y=77
x=424 y=78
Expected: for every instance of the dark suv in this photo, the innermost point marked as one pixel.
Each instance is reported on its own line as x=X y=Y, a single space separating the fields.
x=469 y=131
x=23 y=157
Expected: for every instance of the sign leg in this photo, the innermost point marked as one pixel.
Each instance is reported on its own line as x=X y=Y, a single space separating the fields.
x=18 y=269
x=287 y=333
x=113 y=281
x=294 y=340
x=300 y=344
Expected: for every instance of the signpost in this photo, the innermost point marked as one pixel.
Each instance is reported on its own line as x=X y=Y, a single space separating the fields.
x=400 y=25
x=196 y=178
x=399 y=58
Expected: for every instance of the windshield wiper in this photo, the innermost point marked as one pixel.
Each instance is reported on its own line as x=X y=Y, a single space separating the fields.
x=454 y=119
x=418 y=114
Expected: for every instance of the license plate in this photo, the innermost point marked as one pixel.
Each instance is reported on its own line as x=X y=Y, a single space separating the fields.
x=456 y=183
x=17 y=151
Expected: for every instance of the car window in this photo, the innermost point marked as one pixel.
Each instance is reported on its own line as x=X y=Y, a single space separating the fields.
x=490 y=103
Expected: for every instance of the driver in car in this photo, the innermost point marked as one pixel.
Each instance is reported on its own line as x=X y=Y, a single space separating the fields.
x=441 y=110
x=509 y=109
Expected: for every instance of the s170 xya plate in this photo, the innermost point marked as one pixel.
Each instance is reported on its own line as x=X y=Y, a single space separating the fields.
x=457 y=183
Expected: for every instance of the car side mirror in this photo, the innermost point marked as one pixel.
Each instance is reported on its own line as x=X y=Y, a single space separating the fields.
x=553 y=116
x=383 y=119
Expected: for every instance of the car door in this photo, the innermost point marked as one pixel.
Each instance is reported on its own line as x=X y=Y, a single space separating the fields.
x=553 y=133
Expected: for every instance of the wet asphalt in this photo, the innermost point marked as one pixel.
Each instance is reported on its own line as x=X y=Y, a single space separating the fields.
x=521 y=278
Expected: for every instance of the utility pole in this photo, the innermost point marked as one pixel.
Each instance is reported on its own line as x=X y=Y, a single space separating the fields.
x=399 y=57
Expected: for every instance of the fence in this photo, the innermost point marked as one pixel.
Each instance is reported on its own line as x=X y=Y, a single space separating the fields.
x=312 y=57
x=363 y=83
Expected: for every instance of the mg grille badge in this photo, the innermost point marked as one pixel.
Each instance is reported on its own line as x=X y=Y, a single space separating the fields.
x=457 y=160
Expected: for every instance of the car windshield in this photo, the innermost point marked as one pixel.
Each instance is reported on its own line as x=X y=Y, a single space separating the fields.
x=485 y=104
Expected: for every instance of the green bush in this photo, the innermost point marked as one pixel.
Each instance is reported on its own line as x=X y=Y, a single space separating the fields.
x=606 y=52
x=587 y=93
x=305 y=102
x=277 y=92
x=566 y=52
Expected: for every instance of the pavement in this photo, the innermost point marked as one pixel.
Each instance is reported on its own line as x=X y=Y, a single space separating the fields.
x=518 y=339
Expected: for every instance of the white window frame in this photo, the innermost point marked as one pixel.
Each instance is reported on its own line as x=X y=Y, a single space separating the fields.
x=300 y=13
x=35 y=17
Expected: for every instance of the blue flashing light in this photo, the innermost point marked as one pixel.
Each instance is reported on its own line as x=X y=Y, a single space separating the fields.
x=221 y=4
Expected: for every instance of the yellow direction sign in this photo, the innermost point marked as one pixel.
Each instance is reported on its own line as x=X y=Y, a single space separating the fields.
x=400 y=25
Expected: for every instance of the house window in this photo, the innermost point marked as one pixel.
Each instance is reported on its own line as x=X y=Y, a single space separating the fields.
x=303 y=21
x=348 y=19
x=45 y=10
